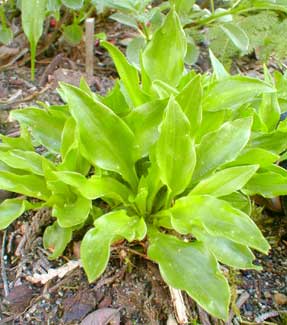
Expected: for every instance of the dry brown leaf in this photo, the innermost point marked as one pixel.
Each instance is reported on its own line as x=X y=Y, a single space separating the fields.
x=103 y=316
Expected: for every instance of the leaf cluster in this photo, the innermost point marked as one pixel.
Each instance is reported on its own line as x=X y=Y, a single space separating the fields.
x=174 y=155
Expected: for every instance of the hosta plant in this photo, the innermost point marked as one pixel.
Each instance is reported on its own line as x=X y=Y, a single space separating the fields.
x=173 y=154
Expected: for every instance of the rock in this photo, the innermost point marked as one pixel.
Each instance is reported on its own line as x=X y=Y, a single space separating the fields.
x=280 y=298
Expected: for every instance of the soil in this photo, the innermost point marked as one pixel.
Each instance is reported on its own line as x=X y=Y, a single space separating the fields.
x=131 y=290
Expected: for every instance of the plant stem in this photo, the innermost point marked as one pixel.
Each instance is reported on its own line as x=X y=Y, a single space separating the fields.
x=212 y=6
x=33 y=58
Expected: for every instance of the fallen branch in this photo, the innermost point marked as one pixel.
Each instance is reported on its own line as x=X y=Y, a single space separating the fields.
x=240 y=302
x=179 y=306
x=53 y=273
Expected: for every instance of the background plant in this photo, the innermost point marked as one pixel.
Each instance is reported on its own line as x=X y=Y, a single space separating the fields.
x=189 y=152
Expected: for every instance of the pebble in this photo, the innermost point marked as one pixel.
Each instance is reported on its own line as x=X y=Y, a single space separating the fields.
x=280 y=299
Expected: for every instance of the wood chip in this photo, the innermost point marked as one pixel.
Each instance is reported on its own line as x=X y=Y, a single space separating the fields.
x=52 y=273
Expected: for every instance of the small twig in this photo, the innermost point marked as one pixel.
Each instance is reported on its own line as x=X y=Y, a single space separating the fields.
x=50 y=68
x=179 y=306
x=15 y=59
x=263 y=317
x=203 y=316
x=26 y=99
x=89 y=40
x=3 y=270
x=111 y=279
x=240 y=302
x=7 y=319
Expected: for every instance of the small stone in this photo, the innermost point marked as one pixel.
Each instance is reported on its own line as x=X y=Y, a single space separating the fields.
x=280 y=299
x=267 y=295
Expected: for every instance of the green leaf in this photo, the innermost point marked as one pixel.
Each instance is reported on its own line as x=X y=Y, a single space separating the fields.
x=233 y=91
x=192 y=52
x=73 y=34
x=269 y=109
x=38 y=120
x=267 y=184
x=125 y=19
x=237 y=35
x=134 y=48
x=275 y=141
x=239 y=201
x=128 y=74
x=191 y=267
x=103 y=149
x=56 y=239
x=73 y=4
x=163 y=58
x=226 y=181
x=6 y=35
x=218 y=218
x=95 y=247
x=221 y=146
x=190 y=100
x=33 y=16
x=30 y=185
x=228 y=252
x=257 y=156
x=25 y=160
x=144 y=122
x=175 y=150
x=116 y=101
x=183 y=7
x=96 y=186
x=10 y=210
x=217 y=67
x=72 y=213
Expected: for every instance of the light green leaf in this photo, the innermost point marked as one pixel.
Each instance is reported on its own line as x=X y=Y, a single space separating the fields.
x=11 y=209
x=73 y=34
x=225 y=181
x=217 y=67
x=218 y=218
x=134 y=48
x=267 y=184
x=56 y=239
x=110 y=146
x=96 y=186
x=163 y=89
x=221 y=146
x=183 y=7
x=95 y=247
x=275 y=141
x=233 y=91
x=239 y=201
x=257 y=156
x=6 y=35
x=228 y=252
x=191 y=267
x=73 y=4
x=25 y=160
x=237 y=35
x=30 y=185
x=128 y=74
x=163 y=58
x=33 y=16
x=37 y=120
x=175 y=150
x=124 y=19
x=190 y=100
x=72 y=213
x=144 y=122
x=116 y=101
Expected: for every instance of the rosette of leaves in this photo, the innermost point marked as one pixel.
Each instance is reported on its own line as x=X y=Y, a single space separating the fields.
x=175 y=156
